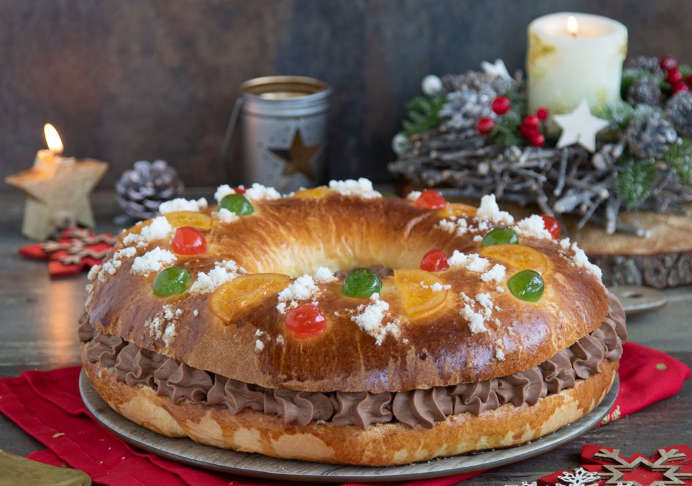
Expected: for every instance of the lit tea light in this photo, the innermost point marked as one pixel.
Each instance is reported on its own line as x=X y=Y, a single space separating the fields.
x=573 y=57
x=47 y=159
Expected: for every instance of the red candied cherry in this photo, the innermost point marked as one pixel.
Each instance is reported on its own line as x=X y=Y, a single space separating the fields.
x=552 y=226
x=668 y=63
x=430 y=199
x=306 y=321
x=188 y=241
x=674 y=76
x=485 y=125
x=434 y=261
x=678 y=87
x=501 y=105
x=542 y=113
x=537 y=140
x=239 y=189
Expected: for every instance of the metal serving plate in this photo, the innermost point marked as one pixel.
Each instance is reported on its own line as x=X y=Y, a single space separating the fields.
x=259 y=466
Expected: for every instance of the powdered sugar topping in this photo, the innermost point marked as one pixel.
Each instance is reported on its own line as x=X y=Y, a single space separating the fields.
x=413 y=195
x=371 y=320
x=259 y=192
x=158 y=229
x=181 y=204
x=350 y=187
x=323 y=275
x=495 y=274
x=533 y=226
x=222 y=191
x=469 y=261
x=223 y=271
x=225 y=216
x=302 y=288
x=489 y=210
x=152 y=261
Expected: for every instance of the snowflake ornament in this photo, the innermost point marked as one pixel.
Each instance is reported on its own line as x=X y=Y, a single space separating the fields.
x=578 y=477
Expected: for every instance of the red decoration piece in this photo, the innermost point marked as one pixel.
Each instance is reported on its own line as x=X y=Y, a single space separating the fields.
x=76 y=249
x=537 y=140
x=552 y=226
x=305 y=321
x=530 y=121
x=674 y=76
x=669 y=465
x=434 y=261
x=188 y=241
x=678 y=87
x=430 y=199
x=542 y=113
x=528 y=131
x=501 y=105
x=485 y=125
x=688 y=79
x=239 y=189
x=668 y=63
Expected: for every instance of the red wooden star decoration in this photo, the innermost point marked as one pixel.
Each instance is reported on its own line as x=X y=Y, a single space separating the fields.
x=668 y=466
x=74 y=251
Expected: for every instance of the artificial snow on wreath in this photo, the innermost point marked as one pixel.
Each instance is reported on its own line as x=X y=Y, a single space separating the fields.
x=475 y=134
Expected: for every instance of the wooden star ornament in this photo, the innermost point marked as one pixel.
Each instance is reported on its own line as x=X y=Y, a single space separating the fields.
x=57 y=190
x=579 y=127
x=298 y=157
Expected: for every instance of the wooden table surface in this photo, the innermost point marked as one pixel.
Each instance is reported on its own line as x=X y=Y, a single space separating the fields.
x=38 y=331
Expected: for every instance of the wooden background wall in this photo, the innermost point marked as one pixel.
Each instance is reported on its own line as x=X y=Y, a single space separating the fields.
x=143 y=79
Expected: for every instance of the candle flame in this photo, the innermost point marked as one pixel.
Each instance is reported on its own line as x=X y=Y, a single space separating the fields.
x=572 y=25
x=52 y=138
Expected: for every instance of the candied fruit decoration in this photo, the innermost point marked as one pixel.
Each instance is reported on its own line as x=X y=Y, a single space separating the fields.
x=430 y=199
x=526 y=285
x=434 y=261
x=552 y=226
x=188 y=241
x=171 y=281
x=422 y=293
x=520 y=257
x=306 y=321
x=361 y=283
x=500 y=236
x=239 y=189
x=194 y=219
x=458 y=210
x=314 y=193
x=245 y=292
x=238 y=204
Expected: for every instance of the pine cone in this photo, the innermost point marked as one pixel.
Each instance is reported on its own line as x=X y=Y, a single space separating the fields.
x=141 y=189
x=647 y=63
x=645 y=90
x=649 y=136
x=679 y=112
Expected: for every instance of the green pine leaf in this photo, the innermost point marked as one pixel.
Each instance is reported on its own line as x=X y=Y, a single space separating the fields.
x=634 y=182
x=423 y=114
x=685 y=69
x=679 y=156
x=506 y=130
x=619 y=113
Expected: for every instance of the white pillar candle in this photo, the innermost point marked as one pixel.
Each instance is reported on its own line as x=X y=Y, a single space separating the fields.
x=574 y=56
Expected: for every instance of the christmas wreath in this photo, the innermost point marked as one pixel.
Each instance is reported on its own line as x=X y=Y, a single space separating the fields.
x=472 y=132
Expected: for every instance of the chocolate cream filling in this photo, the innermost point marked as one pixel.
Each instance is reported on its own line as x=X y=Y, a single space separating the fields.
x=417 y=408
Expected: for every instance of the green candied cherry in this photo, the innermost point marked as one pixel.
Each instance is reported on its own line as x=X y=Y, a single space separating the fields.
x=171 y=281
x=238 y=204
x=500 y=236
x=361 y=282
x=526 y=285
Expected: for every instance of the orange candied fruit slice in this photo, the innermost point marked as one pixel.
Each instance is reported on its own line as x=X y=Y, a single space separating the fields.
x=314 y=193
x=457 y=209
x=244 y=292
x=521 y=257
x=194 y=219
x=419 y=297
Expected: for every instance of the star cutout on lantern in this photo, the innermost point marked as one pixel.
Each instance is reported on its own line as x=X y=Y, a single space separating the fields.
x=58 y=195
x=580 y=127
x=298 y=157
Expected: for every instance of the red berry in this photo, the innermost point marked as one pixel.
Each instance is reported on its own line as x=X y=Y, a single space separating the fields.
x=542 y=113
x=430 y=199
x=528 y=131
x=434 y=261
x=306 y=321
x=188 y=241
x=239 y=190
x=530 y=121
x=485 y=125
x=688 y=79
x=552 y=226
x=501 y=105
x=537 y=140
x=678 y=87
x=674 y=76
x=668 y=63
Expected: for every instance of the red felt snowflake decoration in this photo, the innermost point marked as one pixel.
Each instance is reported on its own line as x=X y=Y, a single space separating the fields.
x=668 y=466
x=75 y=250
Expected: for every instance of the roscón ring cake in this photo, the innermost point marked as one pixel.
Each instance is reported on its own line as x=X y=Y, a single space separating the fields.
x=337 y=325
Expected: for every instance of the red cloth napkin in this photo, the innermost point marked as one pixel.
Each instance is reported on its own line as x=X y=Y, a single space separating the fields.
x=47 y=406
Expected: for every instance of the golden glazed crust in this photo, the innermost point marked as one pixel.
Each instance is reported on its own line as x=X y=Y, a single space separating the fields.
x=295 y=236
x=378 y=445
